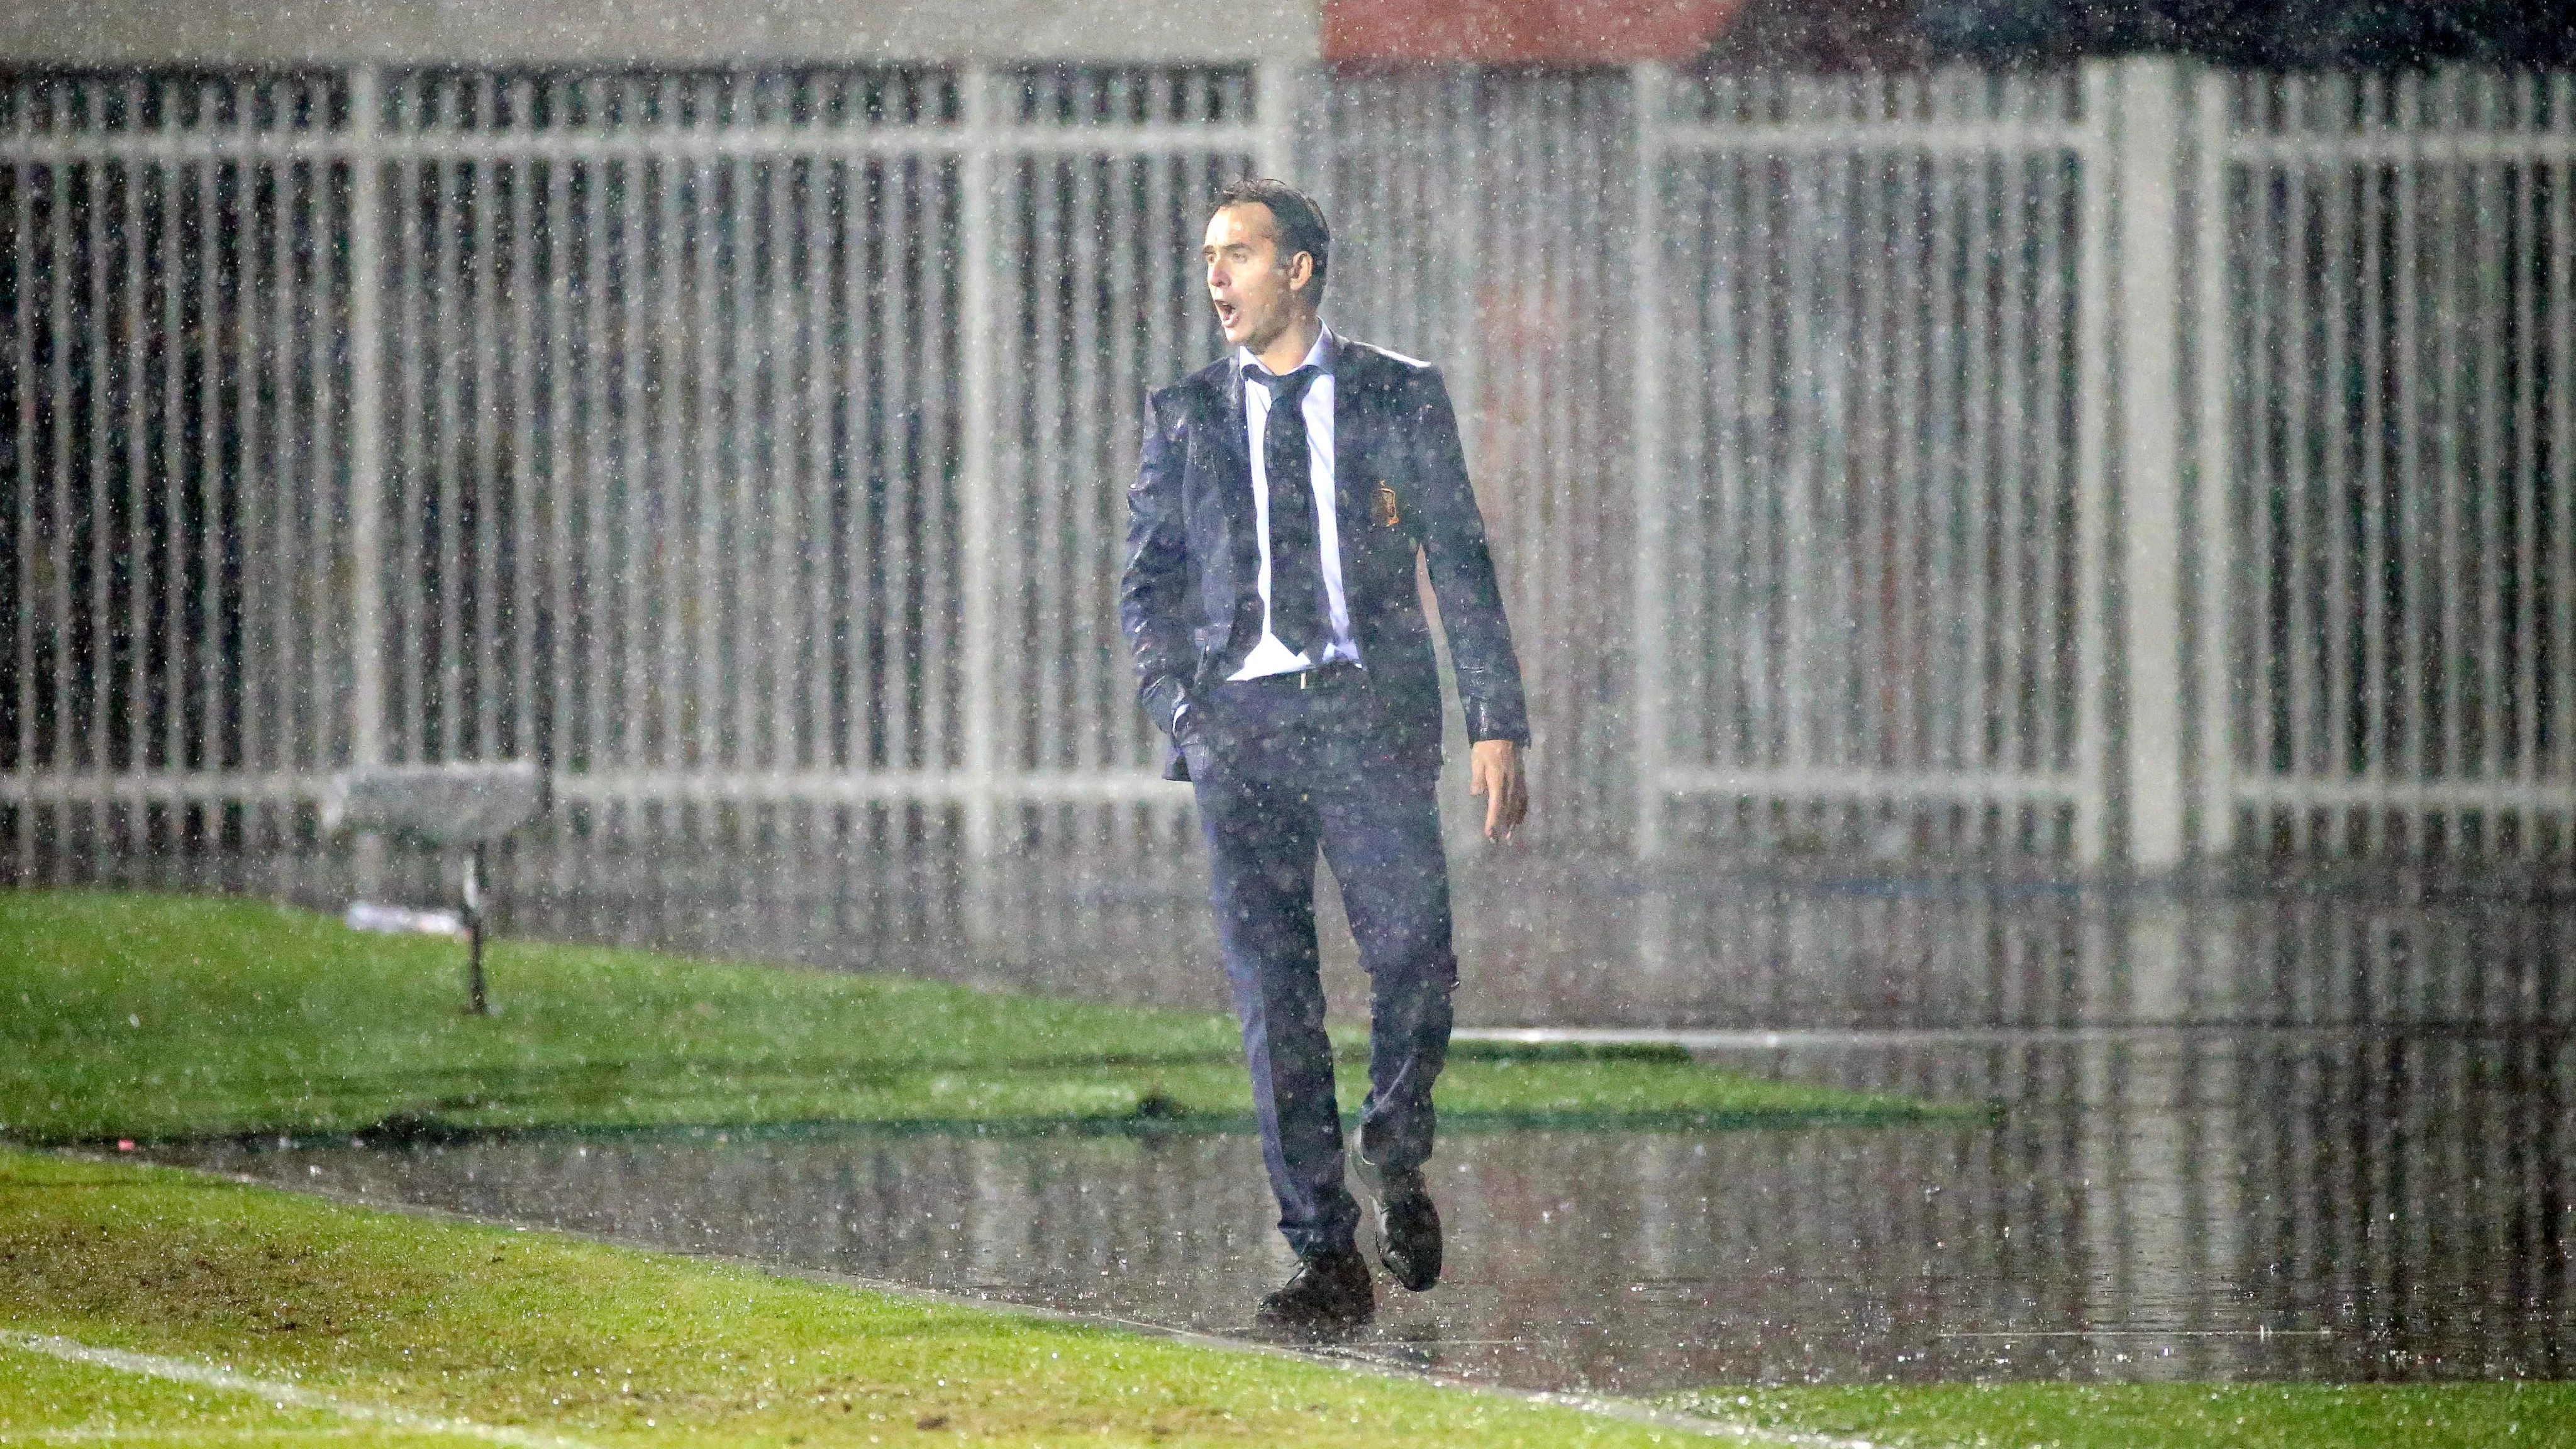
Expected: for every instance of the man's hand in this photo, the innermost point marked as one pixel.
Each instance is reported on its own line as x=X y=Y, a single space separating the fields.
x=1494 y=771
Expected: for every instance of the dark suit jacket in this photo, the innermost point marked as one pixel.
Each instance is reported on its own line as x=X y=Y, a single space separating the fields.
x=1189 y=601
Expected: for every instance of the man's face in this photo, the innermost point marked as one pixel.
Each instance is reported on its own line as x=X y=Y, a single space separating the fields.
x=1257 y=293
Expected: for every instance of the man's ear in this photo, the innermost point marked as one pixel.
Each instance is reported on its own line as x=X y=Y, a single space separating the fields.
x=1301 y=270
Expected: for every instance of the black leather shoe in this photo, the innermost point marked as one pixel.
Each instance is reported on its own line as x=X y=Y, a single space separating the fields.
x=1329 y=1291
x=1408 y=1237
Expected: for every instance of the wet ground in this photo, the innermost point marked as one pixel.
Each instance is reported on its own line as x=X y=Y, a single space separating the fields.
x=2317 y=1132
x=2179 y=1205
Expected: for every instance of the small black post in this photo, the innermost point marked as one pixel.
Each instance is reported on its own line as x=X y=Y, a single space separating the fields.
x=474 y=927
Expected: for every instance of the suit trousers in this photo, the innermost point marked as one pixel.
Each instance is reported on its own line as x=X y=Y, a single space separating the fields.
x=1279 y=771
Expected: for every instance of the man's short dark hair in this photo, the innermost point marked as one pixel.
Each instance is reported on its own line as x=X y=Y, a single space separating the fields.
x=1300 y=222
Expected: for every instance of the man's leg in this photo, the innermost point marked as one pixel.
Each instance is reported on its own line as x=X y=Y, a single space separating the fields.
x=1261 y=853
x=1382 y=837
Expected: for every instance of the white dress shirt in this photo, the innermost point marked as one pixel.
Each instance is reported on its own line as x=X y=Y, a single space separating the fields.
x=1269 y=656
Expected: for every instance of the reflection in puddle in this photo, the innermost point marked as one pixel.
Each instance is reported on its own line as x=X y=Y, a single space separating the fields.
x=2306 y=1134
x=2159 y=1207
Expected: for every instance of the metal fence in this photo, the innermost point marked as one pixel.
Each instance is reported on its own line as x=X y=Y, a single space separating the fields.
x=2138 y=462
x=2400 y=426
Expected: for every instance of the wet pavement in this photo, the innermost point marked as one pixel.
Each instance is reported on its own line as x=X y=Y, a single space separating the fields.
x=2319 y=1132
x=2169 y=1206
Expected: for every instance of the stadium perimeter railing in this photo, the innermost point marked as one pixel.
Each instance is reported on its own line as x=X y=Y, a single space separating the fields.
x=2134 y=464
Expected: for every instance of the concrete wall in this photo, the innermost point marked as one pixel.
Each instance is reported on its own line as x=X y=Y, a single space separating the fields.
x=592 y=32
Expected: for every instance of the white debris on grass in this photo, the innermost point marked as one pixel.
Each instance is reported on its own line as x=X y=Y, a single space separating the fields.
x=403 y=920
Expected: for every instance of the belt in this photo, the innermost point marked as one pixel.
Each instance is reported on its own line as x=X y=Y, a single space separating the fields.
x=1336 y=675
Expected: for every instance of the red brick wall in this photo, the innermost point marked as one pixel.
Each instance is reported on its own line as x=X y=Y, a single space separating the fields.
x=1524 y=32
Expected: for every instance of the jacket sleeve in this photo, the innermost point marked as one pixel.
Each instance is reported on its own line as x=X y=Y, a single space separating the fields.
x=1155 y=591
x=1462 y=571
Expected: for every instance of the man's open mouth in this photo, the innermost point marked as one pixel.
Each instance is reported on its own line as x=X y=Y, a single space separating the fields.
x=1225 y=312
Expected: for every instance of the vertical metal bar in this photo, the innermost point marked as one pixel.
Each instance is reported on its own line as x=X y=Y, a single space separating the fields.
x=610 y=371
x=1588 y=136
x=487 y=320
x=738 y=566
x=2562 y=457
x=465 y=599
x=307 y=379
x=2341 y=612
x=2216 y=497
x=2461 y=197
x=24 y=611
x=173 y=474
x=2493 y=470
x=1687 y=356
x=523 y=304
x=2409 y=695
x=979 y=487
x=451 y=300
x=97 y=321
x=208 y=663
x=690 y=694
x=416 y=187
x=1042 y=672
x=2296 y=382
x=1041 y=665
x=64 y=749
x=1948 y=246
x=1526 y=117
x=1973 y=506
x=779 y=642
x=1769 y=306
x=939 y=527
x=1646 y=89
x=22 y=492
x=2527 y=410
x=719 y=468
x=1908 y=623
x=654 y=293
x=1113 y=725
x=133 y=285
x=1738 y=391
x=255 y=487
x=2016 y=334
x=286 y=550
x=1461 y=189
x=2050 y=512
x=2378 y=724
x=2150 y=148
x=880 y=563
x=2092 y=480
x=571 y=456
x=814 y=543
x=1276 y=107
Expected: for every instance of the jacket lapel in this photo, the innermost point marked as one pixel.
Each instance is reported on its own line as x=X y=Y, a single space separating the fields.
x=1235 y=560
x=1242 y=547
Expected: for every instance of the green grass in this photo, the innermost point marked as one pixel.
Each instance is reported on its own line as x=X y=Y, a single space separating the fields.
x=168 y=1017
x=2163 y=1415
x=608 y=1346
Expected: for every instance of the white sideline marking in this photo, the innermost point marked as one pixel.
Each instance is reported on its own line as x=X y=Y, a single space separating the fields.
x=278 y=1392
x=179 y=1436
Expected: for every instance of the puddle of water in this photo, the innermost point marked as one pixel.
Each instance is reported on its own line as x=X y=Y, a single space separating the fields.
x=2315 y=1134
x=2148 y=1208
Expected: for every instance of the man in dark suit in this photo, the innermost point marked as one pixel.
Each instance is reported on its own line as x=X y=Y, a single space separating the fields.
x=1281 y=642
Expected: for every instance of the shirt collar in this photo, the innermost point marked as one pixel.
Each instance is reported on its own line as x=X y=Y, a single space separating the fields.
x=1318 y=357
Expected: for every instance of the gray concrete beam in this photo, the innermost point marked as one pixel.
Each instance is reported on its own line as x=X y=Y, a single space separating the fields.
x=650 y=32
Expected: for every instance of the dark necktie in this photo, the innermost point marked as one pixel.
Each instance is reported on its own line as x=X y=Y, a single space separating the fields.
x=1296 y=561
